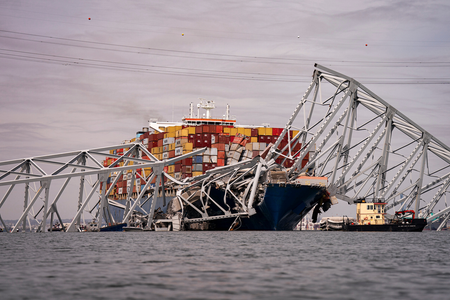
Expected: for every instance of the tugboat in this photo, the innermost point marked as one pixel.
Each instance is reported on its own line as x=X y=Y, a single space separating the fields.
x=371 y=217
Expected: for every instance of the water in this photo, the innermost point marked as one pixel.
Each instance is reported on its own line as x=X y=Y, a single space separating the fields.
x=225 y=265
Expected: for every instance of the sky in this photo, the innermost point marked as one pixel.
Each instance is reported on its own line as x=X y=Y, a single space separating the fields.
x=84 y=74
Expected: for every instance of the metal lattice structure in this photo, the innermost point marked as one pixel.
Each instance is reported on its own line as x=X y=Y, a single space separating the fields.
x=363 y=145
x=367 y=148
x=81 y=165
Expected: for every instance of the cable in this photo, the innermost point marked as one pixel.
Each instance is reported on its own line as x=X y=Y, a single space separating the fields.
x=240 y=57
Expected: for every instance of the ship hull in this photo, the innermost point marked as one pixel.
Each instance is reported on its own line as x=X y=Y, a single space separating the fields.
x=282 y=208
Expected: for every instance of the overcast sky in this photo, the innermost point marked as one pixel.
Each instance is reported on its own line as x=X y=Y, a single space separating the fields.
x=83 y=74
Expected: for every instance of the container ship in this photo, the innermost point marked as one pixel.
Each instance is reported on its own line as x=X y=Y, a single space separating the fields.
x=239 y=181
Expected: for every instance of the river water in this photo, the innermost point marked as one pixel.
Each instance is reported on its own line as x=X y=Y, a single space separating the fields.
x=225 y=265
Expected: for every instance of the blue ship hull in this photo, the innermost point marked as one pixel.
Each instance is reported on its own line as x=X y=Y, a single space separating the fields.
x=283 y=207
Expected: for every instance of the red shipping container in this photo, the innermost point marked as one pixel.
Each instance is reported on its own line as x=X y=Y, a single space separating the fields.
x=304 y=162
x=220 y=162
x=185 y=175
x=219 y=129
x=224 y=139
x=161 y=135
x=198 y=143
x=207 y=143
x=237 y=140
x=277 y=131
x=191 y=138
x=187 y=161
x=205 y=128
x=212 y=128
x=207 y=136
x=220 y=154
x=186 y=169
x=160 y=143
x=198 y=129
x=219 y=147
x=254 y=132
x=172 y=154
x=261 y=138
x=177 y=168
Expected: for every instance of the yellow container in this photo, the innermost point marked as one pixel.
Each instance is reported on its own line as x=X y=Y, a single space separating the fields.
x=226 y=130
x=171 y=169
x=233 y=131
x=196 y=173
x=171 y=129
x=147 y=171
x=188 y=146
x=253 y=139
x=184 y=132
x=191 y=130
x=261 y=131
x=153 y=150
x=162 y=128
x=170 y=134
x=295 y=132
x=171 y=146
x=248 y=132
x=111 y=151
x=241 y=130
x=133 y=140
x=268 y=131
x=178 y=128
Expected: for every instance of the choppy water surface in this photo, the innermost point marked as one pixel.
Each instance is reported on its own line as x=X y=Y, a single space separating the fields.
x=225 y=265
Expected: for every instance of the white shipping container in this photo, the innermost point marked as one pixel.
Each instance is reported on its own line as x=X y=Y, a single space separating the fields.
x=178 y=151
x=213 y=151
x=213 y=159
x=168 y=141
x=206 y=159
x=234 y=147
x=166 y=155
x=207 y=152
x=227 y=147
x=236 y=155
x=255 y=146
x=120 y=190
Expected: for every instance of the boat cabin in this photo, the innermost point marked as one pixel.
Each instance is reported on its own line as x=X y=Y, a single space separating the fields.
x=370 y=213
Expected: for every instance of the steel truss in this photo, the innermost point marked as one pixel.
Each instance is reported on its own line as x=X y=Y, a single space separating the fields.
x=82 y=165
x=364 y=146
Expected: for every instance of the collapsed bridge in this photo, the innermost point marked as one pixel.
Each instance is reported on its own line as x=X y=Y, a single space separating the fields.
x=343 y=132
